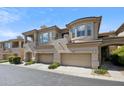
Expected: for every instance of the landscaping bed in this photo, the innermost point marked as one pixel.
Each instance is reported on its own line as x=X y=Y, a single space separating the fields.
x=54 y=65
x=14 y=60
x=29 y=63
x=103 y=71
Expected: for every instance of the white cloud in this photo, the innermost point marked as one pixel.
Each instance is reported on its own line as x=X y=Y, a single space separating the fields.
x=6 y=34
x=9 y=15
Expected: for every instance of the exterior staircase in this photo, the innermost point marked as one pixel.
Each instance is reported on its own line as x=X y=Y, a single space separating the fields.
x=30 y=46
x=60 y=45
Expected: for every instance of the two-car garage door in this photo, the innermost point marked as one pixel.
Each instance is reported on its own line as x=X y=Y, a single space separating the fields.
x=72 y=59
x=76 y=59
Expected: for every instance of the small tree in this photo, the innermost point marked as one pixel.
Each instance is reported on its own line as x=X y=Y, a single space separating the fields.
x=117 y=56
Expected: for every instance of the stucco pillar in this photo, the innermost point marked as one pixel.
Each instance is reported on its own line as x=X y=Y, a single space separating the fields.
x=35 y=57
x=25 y=39
x=2 y=45
x=10 y=44
x=25 y=57
x=56 y=57
x=35 y=37
x=20 y=44
x=100 y=56
x=95 y=60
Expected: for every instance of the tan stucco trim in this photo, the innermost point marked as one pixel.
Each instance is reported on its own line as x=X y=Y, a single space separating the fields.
x=84 y=20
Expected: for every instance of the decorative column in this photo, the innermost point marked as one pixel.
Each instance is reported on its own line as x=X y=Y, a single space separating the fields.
x=10 y=44
x=20 y=44
x=95 y=60
x=34 y=57
x=100 y=56
x=25 y=57
x=35 y=37
x=25 y=37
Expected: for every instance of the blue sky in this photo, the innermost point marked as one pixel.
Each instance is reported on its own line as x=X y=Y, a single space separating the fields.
x=14 y=21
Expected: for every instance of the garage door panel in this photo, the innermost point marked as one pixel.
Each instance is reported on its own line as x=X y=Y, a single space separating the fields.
x=46 y=58
x=76 y=59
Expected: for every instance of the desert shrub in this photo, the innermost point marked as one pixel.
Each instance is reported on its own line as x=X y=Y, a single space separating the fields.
x=14 y=54
x=54 y=65
x=14 y=60
x=30 y=62
x=17 y=60
x=101 y=70
x=10 y=59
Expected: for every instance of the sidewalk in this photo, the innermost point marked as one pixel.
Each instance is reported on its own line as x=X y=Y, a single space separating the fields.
x=76 y=71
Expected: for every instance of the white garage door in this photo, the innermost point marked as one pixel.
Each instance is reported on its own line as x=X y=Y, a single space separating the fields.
x=76 y=59
x=45 y=58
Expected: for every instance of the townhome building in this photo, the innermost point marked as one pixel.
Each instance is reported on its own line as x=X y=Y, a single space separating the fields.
x=75 y=45
x=78 y=44
x=12 y=47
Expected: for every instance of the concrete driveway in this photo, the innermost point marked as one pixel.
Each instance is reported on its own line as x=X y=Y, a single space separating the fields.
x=11 y=75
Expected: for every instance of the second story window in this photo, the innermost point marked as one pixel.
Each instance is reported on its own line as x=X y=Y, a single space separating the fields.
x=7 y=45
x=73 y=32
x=81 y=30
x=45 y=38
x=89 y=29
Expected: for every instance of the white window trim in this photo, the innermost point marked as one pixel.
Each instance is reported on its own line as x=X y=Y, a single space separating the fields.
x=86 y=30
x=92 y=30
x=50 y=37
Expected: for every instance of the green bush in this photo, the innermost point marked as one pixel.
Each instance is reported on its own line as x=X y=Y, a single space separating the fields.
x=10 y=59
x=14 y=54
x=30 y=62
x=54 y=65
x=15 y=60
x=117 y=56
x=101 y=70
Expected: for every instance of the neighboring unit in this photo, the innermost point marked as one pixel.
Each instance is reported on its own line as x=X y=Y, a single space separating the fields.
x=10 y=47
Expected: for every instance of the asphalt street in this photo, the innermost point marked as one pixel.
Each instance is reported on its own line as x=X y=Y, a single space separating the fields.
x=19 y=76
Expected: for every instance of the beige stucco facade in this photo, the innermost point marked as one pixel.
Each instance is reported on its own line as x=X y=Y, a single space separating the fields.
x=10 y=47
x=78 y=44
x=62 y=47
